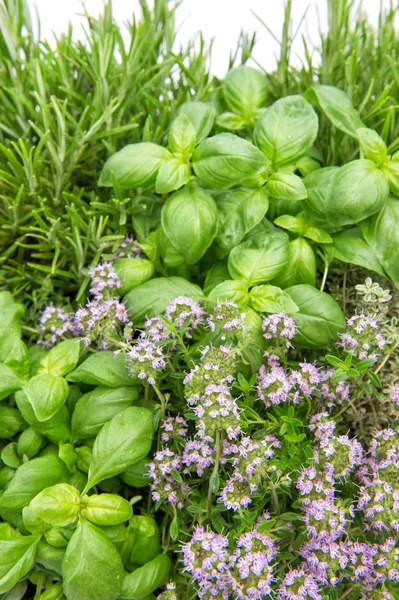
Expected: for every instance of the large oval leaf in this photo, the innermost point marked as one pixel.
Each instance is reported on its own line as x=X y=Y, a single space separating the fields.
x=287 y=130
x=350 y=247
x=92 y=568
x=47 y=393
x=337 y=107
x=153 y=297
x=226 y=160
x=245 y=90
x=103 y=368
x=201 y=115
x=319 y=320
x=17 y=555
x=190 y=220
x=133 y=272
x=136 y=165
x=301 y=267
x=124 y=440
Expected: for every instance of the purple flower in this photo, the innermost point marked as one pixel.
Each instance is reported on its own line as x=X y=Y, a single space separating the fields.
x=325 y=520
x=395 y=395
x=100 y=321
x=165 y=487
x=169 y=593
x=279 y=327
x=104 y=281
x=228 y=318
x=185 y=313
x=299 y=585
x=216 y=409
x=55 y=322
x=198 y=454
x=129 y=248
x=146 y=360
x=173 y=428
x=275 y=386
x=251 y=569
x=361 y=338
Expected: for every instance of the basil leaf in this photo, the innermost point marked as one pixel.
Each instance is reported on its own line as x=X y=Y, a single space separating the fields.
x=286 y=186
x=151 y=298
x=201 y=115
x=181 y=136
x=146 y=579
x=391 y=171
x=9 y=381
x=136 y=165
x=353 y=193
x=57 y=505
x=172 y=175
x=9 y=455
x=49 y=557
x=372 y=145
x=146 y=539
x=287 y=130
x=95 y=408
x=53 y=592
x=92 y=568
x=137 y=475
x=106 y=509
x=317 y=184
x=226 y=160
x=29 y=443
x=10 y=329
x=292 y=223
x=301 y=267
x=124 y=440
x=218 y=273
x=170 y=256
x=10 y=421
x=17 y=556
x=381 y=232
x=189 y=220
x=337 y=107
x=33 y=523
x=231 y=290
x=271 y=299
x=245 y=90
x=103 y=368
x=46 y=393
x=133 y=272
x=239 y=211
x=30 y=479
x=350 y=247
x=231 y=121
x=259 y=258
x=319 y=320
x=61 y=359
x=55 y=429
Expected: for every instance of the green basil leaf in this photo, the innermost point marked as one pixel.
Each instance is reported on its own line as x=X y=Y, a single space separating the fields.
x=271 y=299
x=217 y=273
x=133 y=272
x=61 y=359
x=10 y=421
x=259 y=258
x=54 y=592
x=354 y=192
x=106 y=509
x=301 y=267
x=124 y=440
x=337 y=107
x=84 y=454
x=286 y=186
x=29 y=443
x=67 y=454
x=350 y=247
x=169 y=254
x=231 y=290
x=103 y=368
x=92 y=568
x=317 y=184
x=9 y=455
x=319 y=320
x=151 y=298
x=95 y=408
x=137 y=475
x=57 y=505
x=201 y=115
x=146 y=579
x=239 y=211
x=318 y=235
x=307 y=165
x=172 y=175
x=55 y=429
x=136 y=165
x=189 y=220
x=381 y=232
x=10 y=329
x=391 y=172
x=6 y=474
x=49 y=557
x=46 y=393
x=291 y=223
x=182 y=136
x=9 y=381
x=287 y=130
x=372 y=145
x=17 y=556
x=146 y=539
x=231 y=121
x=226 y=160
x=33 y=523
x=30 y=479
x=245 y=90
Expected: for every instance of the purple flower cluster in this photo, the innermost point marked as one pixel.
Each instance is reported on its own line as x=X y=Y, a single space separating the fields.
x=165 y=487
x=129 y=248
x=104 y=281
x=362 y=338
x=250 y=460
x=146 y=360
x=216 y=366
x=100 y=321
x=185 y=314
x=197 y=455
x=54 y=323
x=246 y=572
x=173 y=428
x=169 y=593
x=280 y=328
x=216 y=409
x=228 y=319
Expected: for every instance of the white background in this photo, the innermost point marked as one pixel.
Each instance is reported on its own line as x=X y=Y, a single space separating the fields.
x=218 y=19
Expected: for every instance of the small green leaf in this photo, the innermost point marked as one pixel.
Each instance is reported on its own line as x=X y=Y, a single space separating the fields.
x=57 y=505
x=182 y=136
x=106 y=509
x=286 y=186
x=172 y=175
x=46 y=393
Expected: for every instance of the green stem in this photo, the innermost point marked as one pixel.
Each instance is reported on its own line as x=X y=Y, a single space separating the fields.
x=387 y=357
x=323 y=283
x=215 y=470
